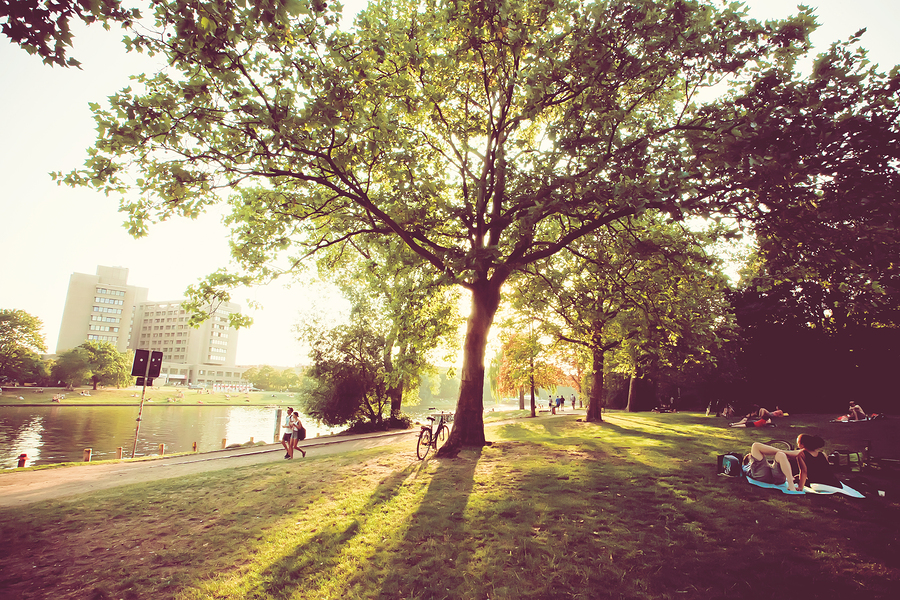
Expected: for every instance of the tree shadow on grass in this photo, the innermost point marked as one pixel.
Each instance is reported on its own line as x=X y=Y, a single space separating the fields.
x=435 y=550
x=321 y=554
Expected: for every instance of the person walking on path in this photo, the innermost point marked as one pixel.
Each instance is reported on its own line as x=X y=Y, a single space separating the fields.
x=298 y=433
x=287 y=438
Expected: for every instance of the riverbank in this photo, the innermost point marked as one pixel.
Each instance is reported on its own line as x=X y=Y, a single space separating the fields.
x=131 y=396
x=554 y=508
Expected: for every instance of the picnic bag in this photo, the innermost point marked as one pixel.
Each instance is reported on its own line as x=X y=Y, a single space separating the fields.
x=729 y=464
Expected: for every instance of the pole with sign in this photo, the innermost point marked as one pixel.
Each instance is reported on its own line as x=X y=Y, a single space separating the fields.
x=146 y=366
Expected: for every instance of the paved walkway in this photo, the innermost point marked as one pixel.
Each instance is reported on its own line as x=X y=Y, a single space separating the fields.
x=19 y=488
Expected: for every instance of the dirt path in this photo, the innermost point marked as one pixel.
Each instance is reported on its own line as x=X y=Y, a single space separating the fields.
x=20 y=488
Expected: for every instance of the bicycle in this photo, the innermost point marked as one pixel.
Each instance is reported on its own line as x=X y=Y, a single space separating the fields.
x=431 y=436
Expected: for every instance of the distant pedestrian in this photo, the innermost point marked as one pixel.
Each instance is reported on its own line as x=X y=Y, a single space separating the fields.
x=573 y=401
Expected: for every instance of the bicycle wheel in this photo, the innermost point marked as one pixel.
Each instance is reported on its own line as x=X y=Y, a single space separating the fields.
x=780 y=444
x=424 y=444
x=442 y=435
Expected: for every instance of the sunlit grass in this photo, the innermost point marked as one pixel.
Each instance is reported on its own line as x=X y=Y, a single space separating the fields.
x=554 y=508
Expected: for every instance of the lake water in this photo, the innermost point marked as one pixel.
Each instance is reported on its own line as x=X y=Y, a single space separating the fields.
x=55 y=434
x=61 y=433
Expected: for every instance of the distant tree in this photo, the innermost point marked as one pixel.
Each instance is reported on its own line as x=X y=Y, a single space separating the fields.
x=108 y=365
x=251 y=376
x=72 y=368
x=290 y=380
x=99 y=362
x=525 y=363
x=20 y=340
x=42 y=26
x=266 y=378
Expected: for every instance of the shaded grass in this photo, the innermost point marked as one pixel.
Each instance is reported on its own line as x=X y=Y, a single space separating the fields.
x=555 y=508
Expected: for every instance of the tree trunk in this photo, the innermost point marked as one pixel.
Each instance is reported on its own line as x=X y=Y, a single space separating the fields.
x=521 y=397
x=468 y=422
x=533 y=401
x=396 y=395
x=595 y=402
x=635 y=393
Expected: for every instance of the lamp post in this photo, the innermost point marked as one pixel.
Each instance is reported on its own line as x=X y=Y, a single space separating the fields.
x=531 y=374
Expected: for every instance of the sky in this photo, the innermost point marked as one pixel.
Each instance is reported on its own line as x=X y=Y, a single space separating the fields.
x=48 y=232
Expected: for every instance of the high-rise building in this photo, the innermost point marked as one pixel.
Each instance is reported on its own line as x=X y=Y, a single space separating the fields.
x=99 y=307
x=104 y=307
x=202 y=355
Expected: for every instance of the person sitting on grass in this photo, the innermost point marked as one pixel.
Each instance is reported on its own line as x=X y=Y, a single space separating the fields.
x=814 y=465
x=856 y=413
x=776 y=474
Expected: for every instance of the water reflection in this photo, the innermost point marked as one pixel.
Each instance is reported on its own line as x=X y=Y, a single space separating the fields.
x=55 y=434
x=61 y=433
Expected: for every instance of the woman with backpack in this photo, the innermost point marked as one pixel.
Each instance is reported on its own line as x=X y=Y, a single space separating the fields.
x=298 y=433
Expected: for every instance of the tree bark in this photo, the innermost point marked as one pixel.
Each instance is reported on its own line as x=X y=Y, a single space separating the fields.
x=468 y=423
x=396 y=395
x=595 y=402
x=521 y=397
x=636 y=392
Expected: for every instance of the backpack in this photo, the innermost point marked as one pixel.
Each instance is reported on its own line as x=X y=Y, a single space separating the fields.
x=730 y=464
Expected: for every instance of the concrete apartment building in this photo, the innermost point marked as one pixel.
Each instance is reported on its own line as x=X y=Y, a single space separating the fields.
x=104 y=307
x=203 y=355
x=99 y=307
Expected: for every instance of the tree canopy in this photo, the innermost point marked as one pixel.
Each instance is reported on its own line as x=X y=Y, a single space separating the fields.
x=642 y=289
x=408 y=305
x=42 y=27
x=99 y=362
x=20 y=341
x=484 y=136
x=348 y=381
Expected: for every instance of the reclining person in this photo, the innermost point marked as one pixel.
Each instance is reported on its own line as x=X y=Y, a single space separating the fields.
x=776 y=474
x=758 y=417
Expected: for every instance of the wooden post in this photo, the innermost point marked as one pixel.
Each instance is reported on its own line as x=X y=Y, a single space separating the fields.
x=277 y=425
x=162 y=449
x=224 y=443
x=87 y=455
x=119 y=453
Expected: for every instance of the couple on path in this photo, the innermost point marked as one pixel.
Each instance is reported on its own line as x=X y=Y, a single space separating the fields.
x=296 y=432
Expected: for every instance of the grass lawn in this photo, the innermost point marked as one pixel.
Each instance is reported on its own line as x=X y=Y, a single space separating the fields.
x=555 y=508
x=132 y=395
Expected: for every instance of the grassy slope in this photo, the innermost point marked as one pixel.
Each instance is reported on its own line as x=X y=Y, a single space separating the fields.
x=630 y=508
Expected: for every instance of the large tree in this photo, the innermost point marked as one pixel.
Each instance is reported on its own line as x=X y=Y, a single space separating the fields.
x=20 y=341
x=485 y=136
